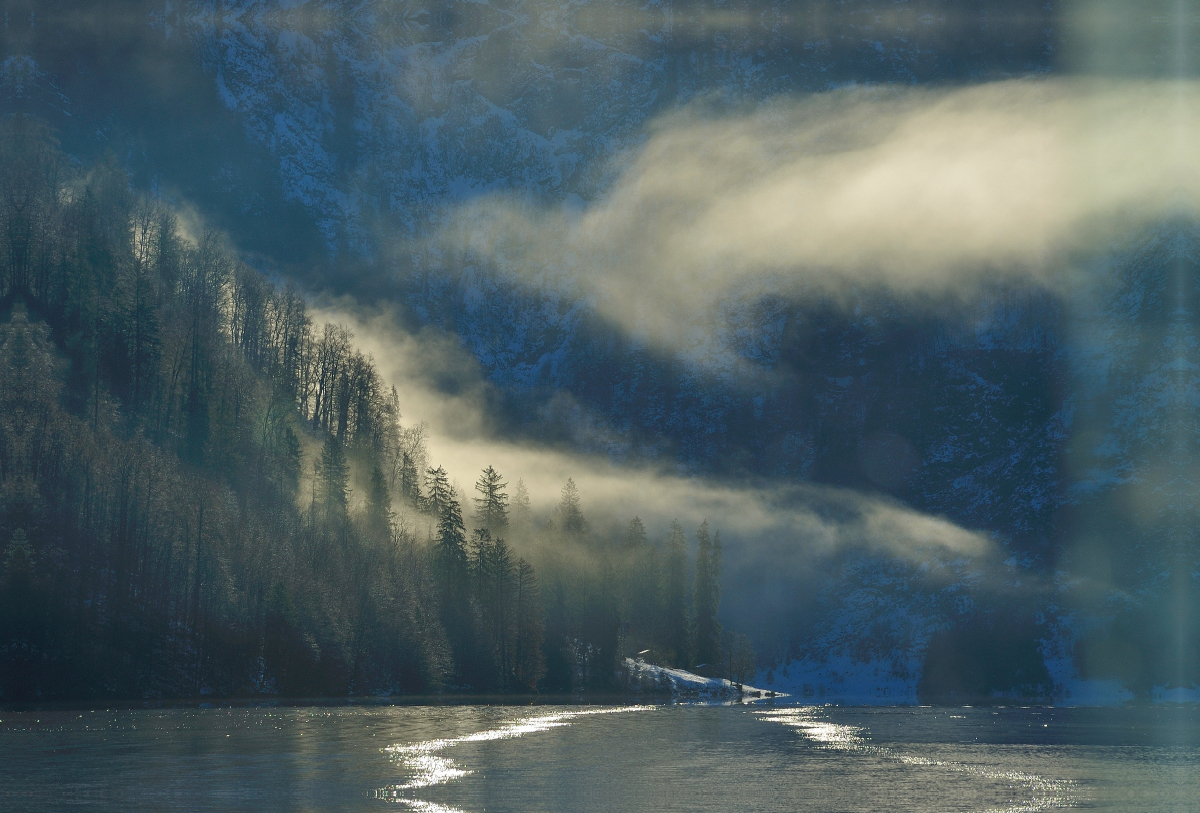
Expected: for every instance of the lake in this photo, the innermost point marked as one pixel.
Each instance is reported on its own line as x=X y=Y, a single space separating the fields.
x=601 y=758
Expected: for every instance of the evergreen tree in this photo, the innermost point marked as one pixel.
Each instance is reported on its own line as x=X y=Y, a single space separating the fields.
x=706 y=598
x=332 y=476
x=481 y=560
x=494 y=594
x=528 y=661
x=410 y=487
x=438 y=491
x=737 y=655
x=452 y=540
x=639 y=587
x=645 y=586
x=635 y=535
x=284 y=461
x=453 y=569
x=142 y=327
x=676 y=627
x=570 y=516
x=379 y=507
x=522 y=512
x=491 y=506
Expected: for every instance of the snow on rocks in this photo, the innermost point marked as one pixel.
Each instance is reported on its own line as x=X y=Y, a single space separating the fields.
x=683 y=685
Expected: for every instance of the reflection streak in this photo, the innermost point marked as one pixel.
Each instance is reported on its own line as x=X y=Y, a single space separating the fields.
x=1042 y=793
x=427 y=769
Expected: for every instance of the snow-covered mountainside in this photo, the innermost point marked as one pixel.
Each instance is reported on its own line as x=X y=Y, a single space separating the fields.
x=383 y=118
x=396 y=110
x=1110 y=498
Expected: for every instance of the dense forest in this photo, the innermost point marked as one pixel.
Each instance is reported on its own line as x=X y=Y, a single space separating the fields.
x=202 y=492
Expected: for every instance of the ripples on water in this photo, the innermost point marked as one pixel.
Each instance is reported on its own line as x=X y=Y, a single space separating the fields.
x=1038 y=792
x=574 y=759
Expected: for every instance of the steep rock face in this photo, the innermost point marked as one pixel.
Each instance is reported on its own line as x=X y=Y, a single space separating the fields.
x=382 y=118
x=1129 y=528
x=385 y=117
x=1091 y=488
x=392 y=111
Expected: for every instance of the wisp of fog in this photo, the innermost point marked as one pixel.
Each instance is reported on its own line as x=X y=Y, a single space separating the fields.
x=914 y=189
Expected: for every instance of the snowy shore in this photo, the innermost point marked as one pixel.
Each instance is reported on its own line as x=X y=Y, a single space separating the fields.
x=647 y=678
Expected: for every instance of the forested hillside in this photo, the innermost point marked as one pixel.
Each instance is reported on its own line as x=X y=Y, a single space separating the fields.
x=204 y=492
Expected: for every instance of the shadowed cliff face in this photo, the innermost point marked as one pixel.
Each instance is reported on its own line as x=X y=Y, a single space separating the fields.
x=308 y=130
x=376 y=119
x=1129 y=523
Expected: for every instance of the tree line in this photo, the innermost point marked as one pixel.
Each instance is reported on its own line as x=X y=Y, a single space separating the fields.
x=204 y=492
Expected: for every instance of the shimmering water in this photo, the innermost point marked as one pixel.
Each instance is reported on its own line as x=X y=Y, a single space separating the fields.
x=586 y=758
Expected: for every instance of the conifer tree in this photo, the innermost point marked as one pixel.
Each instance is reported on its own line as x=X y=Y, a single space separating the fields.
x=522 y=512
x=481 y=560
x=379 y=507
x=706 y=598
x=453 y=571
x=452 y=539
x=570 y=516
x=282 y=459
x=635 y=535
x=675 y=632
x=438 y=491
x=638 y=585
x=645 y=586
x=496 y=600
x=737 y=655
x=332 y=473
x=491 y=506
x=528 y=661
x=410 y=486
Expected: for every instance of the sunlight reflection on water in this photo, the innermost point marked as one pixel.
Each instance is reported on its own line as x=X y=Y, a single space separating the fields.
x=427 y=769
x=579 y=759
x=1041 y=792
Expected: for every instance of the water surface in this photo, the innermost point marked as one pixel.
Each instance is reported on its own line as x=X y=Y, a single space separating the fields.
x=565 y=759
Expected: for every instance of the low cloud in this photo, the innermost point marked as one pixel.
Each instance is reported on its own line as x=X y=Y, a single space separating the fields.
x=921 y=191
x=440 y=385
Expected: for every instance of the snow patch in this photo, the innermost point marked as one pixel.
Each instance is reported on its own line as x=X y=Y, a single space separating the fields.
x=688 y=686
x=1072 y=690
